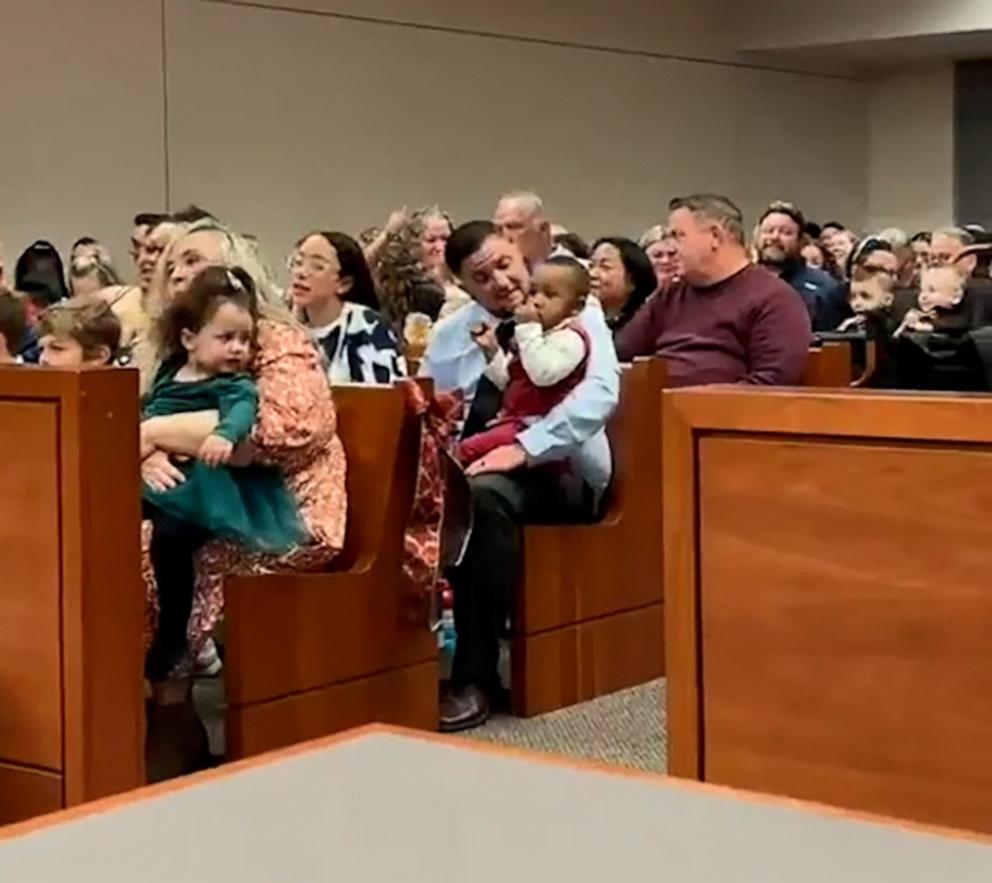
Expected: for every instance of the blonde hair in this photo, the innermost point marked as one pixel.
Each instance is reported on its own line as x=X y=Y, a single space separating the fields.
x=657 y=233
x=927 y=273
x=94 y=265
x=399 y=267
x=236 y=251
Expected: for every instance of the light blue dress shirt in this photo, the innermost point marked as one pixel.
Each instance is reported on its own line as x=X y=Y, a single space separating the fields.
x=574 y=430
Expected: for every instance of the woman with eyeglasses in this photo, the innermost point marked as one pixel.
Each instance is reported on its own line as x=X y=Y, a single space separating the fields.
x=333 y=294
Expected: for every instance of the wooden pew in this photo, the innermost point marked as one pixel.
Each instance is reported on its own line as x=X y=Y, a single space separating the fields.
x=588 y=613
x=829 y=365
x=827 y=569
x=311 y=654
x=71 y=602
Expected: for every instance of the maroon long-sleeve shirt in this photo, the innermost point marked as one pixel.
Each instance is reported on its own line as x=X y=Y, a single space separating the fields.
x=750 y=328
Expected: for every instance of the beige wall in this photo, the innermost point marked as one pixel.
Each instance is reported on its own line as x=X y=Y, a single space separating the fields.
x=786 y=23
x=283 y=121
x=911 y=165
x=82 y=142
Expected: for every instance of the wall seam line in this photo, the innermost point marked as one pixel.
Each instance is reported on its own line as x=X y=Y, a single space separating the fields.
x=520 y=38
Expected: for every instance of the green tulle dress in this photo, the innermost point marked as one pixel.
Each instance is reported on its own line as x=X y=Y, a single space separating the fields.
x=252 y=505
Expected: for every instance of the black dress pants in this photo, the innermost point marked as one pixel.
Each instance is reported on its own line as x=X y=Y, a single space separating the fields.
x=485 y=580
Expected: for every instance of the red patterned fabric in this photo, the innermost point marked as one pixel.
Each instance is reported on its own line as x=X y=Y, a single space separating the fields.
x=440 y=414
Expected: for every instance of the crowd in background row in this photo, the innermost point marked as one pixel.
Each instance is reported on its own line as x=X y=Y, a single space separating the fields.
x=392 y=283
x=524 y=321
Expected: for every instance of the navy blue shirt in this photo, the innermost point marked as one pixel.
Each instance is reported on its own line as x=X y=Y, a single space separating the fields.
x=825 y=296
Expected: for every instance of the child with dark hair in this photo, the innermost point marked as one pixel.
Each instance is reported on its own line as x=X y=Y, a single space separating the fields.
x=13 y=327
x=207 y=336
x=547 y=358
x=39 y=272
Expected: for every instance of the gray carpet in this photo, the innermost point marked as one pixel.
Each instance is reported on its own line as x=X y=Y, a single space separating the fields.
x=626 y=729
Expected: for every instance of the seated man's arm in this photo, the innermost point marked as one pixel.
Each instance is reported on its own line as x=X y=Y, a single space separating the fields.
x=639 y=337
x=779 y=341
x=587 y=408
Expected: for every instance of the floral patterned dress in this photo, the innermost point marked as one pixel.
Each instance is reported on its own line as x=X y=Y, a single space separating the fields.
x=296 y=431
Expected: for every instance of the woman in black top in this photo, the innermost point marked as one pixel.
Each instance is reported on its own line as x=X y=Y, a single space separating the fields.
x=622 y=278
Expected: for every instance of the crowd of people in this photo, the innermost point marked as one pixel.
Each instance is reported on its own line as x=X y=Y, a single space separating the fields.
x=520 y=319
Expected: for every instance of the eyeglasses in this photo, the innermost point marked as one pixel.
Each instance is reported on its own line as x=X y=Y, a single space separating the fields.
x=309 y=264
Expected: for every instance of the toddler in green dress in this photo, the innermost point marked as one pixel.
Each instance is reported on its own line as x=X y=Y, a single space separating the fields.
x=207 y=336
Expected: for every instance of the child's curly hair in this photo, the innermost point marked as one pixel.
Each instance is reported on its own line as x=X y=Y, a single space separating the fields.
x=190 y=311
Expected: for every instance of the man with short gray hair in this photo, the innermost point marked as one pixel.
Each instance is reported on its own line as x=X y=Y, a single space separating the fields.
x=946 y=247
x=521 y=219
x=726 y=321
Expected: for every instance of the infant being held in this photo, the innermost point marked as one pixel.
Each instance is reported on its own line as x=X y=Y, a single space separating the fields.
x=544 y=362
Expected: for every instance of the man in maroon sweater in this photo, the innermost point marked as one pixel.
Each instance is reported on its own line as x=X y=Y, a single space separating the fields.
x=727 y=321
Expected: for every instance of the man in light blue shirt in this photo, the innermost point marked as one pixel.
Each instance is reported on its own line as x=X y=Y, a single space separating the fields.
x=509 y=487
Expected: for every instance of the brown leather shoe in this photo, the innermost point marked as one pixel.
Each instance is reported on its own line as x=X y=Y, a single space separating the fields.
x=463 y=709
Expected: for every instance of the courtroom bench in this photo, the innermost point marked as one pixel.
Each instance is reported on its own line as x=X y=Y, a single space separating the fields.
x=310 y=654
x=71 y=604
x=588 y=610
x=588 y=613
x=827 y=561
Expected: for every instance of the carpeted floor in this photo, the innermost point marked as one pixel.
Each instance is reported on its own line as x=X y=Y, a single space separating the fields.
x=627 y=729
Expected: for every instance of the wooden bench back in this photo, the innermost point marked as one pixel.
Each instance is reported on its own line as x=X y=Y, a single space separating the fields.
x=635 y=437
x=71 y=597
x=829 y=365
x=381 y=444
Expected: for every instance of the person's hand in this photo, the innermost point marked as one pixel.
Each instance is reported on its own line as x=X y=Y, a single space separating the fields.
x=526 y=312
x=396 y=221
x=244 y=455
x=855 y=323
x=160 y=473
x=915 y=320
x=508 y=458
x=484 y=336
x=216 y=451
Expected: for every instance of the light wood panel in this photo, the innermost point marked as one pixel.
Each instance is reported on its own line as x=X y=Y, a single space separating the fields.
x=26 y=793
x=71 y=596
x=567 y=666
x=827 y=612
x=103 y=596
x=30 y=658
x=309 y=636
x=574 y=574
x=857 y=592
x=404 y=697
